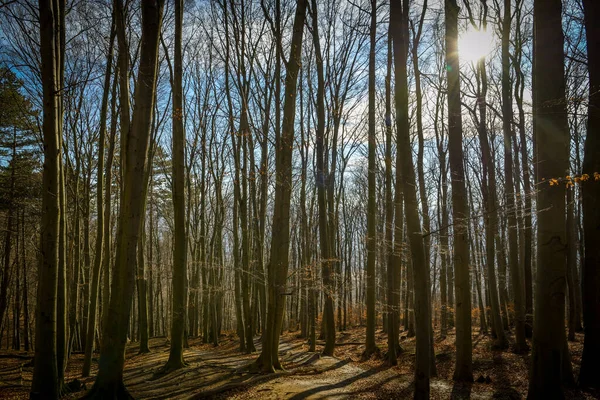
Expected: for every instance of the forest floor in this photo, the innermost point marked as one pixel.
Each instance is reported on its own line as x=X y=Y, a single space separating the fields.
x=218 y=373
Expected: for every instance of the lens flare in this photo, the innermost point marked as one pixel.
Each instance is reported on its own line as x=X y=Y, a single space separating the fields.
x=474 y=44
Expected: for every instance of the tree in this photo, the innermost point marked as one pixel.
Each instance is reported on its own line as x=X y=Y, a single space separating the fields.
x=91 y=327
x=464 y=357
x=109 y=382
x=589 y=375
x=489 y=194
x=16 y=138
x=420 y=264
x=527 y=219
x=47 y=366
x=550 y=360
x=371 y=347
x=178 y=186
x=393 y=244
x=278 y=268
x=321 y=178
x=509 y=187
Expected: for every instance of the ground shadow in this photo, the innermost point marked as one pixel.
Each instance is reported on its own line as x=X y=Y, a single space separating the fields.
x=338 y=385
x=461 y=391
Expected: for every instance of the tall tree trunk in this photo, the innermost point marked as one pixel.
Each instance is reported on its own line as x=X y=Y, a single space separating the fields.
x=490 y=200
x=45 y=371
x=108 y=167
x=269 y=358
x=176 y=360
x=325 y=243
x=420 y=165
x=551 y=365
x=142 y=287
x=85 y=293
x=527 y=218
x=393 y=260
x=420 y=265
x=26 y=336
x=74 y=295
x=445 y=283
x=17 y=301
x=509 y=187
x=6 y=273
x=371 y=346
x=62 y=331
x=91 y=326
x=464 y=359
x=109 y=382
x=590 y=359
x=571 y=262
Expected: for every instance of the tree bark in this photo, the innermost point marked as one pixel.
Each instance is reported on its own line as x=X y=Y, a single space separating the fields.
x=490 y=200
x=527 y=219
x=106 y=261
x=590 y=359
x=91 y=326
x=509 y=187
x=6 y=270
x=550 y=354
x=109 y=381
x=464 y=362
x=178 y=184
x=393 y=260
x=420 y=265
x=269 y=358
x=325 y=243
x=45 y=383
x=371 y=239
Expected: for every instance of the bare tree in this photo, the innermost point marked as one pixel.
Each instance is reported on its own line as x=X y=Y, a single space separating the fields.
x=590 y=364
x=460 y=211
x=551 y=363
x=109 y=382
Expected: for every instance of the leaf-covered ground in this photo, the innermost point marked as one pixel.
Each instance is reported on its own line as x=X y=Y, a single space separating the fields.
x=219 y=372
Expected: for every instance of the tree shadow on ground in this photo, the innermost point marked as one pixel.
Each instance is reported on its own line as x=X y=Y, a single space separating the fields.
x=501 y=382
x=461 y=391
x=337 y=385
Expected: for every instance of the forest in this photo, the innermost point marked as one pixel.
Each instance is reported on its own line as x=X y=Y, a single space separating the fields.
x=300 y=199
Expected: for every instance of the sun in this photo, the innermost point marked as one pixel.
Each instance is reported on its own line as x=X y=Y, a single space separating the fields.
x=474 y=44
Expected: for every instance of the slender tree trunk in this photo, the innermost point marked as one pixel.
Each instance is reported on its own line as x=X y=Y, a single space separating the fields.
x=46 y=380
x=91 y=327
x=108 y=167
x=62 y=329
x=6 y=270
x=17 y=301
x=325 y=243
x=571 y=262
x=26 y=336
x=527 y=218
x=141 y=288
x=180 y=241
x=445 y=286
x=278 y=269
x=464 y=362
x=85 y=293
x=420 y=264
x=109 y=382
x=590 y=360
x=371 y=346
x=509 y=187
x=490 y=200
x=393 y=259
